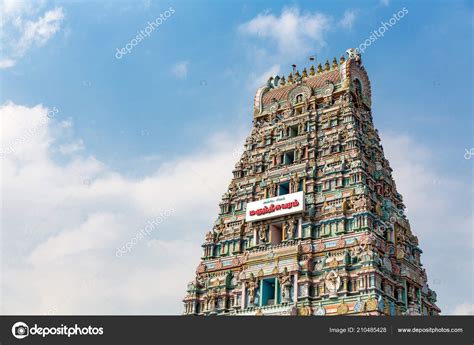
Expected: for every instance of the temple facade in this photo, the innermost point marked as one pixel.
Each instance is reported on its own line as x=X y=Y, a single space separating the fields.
x=312 y=223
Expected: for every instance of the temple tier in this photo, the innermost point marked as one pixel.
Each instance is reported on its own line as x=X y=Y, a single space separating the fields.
x=312 y=223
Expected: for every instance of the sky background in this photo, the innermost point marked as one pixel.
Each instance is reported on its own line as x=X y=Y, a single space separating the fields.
x=94 y=147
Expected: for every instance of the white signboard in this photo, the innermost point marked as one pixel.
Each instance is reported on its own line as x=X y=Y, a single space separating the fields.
x=275 y=207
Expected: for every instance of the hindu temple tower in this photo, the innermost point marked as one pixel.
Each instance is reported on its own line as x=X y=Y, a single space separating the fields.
x=312 y=223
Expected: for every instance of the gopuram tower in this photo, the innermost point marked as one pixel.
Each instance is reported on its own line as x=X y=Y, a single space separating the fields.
x=312 y=223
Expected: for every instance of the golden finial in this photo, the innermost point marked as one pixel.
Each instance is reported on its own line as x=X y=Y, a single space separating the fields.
x=290 y=78
x=326 y=65
x=297 y=75
x=334 y=63
x=305 y=73
x=320 y=68
x=311 y=70
x=342 y=60
x=282 y=81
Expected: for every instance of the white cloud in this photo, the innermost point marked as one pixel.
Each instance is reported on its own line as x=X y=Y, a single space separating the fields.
x=40 y=31
x=7 y=63
x=73 y=147
x=60 y=234
x=347 y=20
x=23 y=27
x=87 y=236
x=292 y=31
x=464 y=309
x=147 y=4
x=260 y=80
x=180 y=70
x=438 y=207
x=62 y=224
x=283 y=39
x=15 y=8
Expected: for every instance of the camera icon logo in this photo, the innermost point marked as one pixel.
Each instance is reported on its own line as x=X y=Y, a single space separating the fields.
x=20 y=330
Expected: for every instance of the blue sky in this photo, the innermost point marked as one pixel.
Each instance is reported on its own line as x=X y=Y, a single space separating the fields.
x=176 y=108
